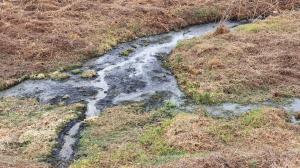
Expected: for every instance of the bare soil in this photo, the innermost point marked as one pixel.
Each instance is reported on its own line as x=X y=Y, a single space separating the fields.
x=40 y=36
x=253 y=63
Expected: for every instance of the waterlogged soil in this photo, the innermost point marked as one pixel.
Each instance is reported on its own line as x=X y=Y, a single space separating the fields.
x=138 y=77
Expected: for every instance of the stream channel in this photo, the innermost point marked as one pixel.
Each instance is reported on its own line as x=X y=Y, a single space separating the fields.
x=139 y=76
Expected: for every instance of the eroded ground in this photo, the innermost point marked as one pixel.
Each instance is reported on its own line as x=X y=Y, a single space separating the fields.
x=255 y=62
x=41 y=36
x=28 y=130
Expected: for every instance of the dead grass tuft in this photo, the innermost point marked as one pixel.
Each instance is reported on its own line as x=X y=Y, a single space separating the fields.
x=221 y=29
x=88 y=74
x=58 y=75
x=215 y=64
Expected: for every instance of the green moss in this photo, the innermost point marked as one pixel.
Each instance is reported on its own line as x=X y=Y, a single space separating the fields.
x=76 y=71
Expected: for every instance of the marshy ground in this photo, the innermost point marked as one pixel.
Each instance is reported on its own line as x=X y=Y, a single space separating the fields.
x=253 y=63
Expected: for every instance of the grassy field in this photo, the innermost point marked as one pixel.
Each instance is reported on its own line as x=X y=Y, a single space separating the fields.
x=127 y=136
x=252 y=63
x=28 y=130
x=38 y=36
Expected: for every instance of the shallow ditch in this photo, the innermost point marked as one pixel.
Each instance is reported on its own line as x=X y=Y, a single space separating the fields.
x=139 y=76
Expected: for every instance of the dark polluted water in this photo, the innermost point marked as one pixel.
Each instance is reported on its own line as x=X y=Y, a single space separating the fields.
x=139 y=76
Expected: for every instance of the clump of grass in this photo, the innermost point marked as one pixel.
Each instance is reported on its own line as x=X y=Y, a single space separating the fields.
x=126 y=52
x=134 y=46
x=66 y=96
x=215 y=64
x=221 y=29
x=39 y=76
x=58 y=76
x=88 y=74
x=28 y=129
x=76 y=71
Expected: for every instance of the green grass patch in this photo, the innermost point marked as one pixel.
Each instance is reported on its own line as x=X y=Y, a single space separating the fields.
x=126 y=52
x=76 y=71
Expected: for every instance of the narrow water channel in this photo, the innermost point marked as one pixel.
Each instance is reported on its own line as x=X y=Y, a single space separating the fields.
x=139 y=76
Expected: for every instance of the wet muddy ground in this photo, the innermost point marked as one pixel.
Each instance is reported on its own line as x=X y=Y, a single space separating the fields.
x=139 y=76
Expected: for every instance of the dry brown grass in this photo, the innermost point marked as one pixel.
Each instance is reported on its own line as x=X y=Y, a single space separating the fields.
x=116 y=118
x=38 y=36
x=262 y=138
x=266 y=159
x=253 y=63
x=28 y=130
x=221 y=29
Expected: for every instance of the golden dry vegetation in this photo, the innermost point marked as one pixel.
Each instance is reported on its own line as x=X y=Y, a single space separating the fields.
x=253 y=63
x=40 y=36
x=28 y=130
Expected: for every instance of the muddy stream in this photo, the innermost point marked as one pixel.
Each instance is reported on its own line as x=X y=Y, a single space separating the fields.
x=139 y=76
